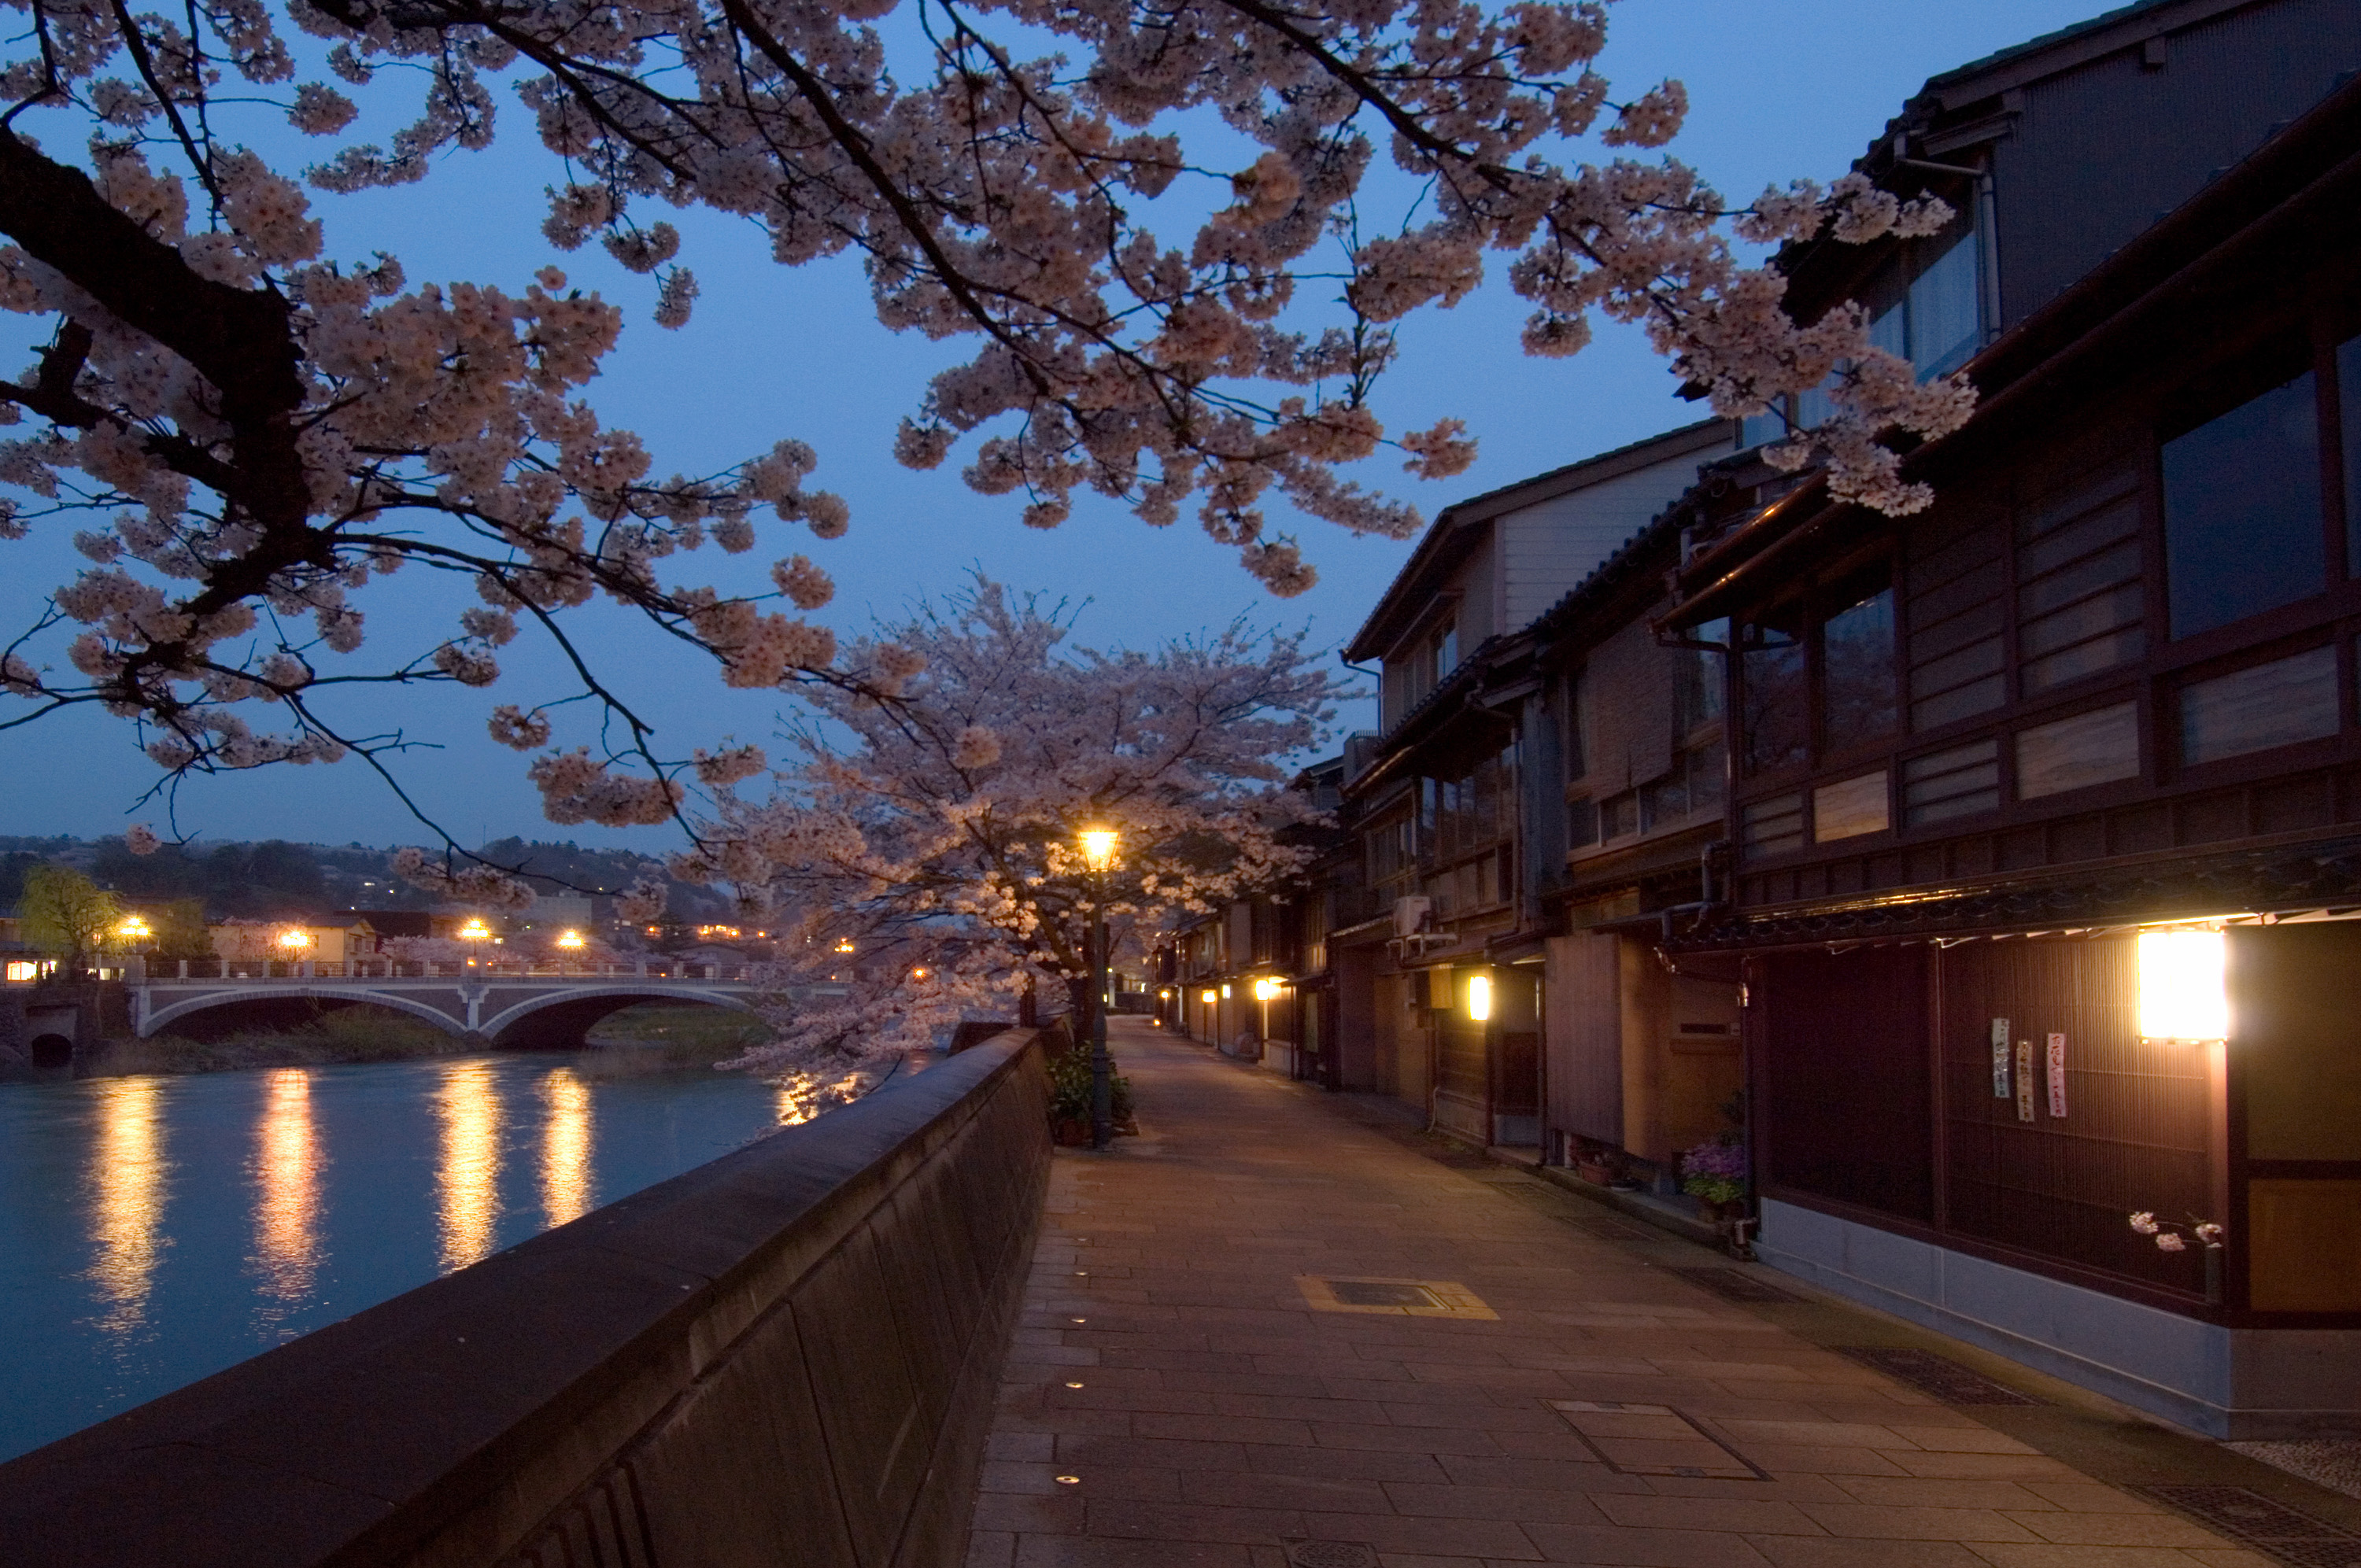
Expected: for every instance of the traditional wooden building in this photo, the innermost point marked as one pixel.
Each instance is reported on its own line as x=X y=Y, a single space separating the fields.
x=1460 y=811
x=2045 y=806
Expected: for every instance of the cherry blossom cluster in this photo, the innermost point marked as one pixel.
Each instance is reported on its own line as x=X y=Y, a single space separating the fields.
x=2171 y=1235
x=919 y=856
x=262 y=434
x=1157 y=312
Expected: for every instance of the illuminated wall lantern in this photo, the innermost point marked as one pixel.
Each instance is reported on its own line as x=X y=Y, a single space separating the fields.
x=1480 y=997
x=2183 y=994
x=1265 y=990
x=1225 y=992
x=1209 y=998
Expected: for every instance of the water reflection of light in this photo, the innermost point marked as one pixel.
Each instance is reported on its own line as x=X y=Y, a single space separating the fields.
x=287 y=1191
x=794 y=1100
x=568 y=1189
x=126 y=1200
x=468 y=1180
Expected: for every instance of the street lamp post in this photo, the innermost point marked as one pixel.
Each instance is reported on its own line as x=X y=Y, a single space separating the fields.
x=1098 y=853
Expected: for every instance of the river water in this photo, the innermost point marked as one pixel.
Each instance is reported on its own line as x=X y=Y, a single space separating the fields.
x=154 y=1229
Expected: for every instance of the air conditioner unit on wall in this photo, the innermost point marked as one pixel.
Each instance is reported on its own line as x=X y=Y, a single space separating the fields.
x=1412 y=915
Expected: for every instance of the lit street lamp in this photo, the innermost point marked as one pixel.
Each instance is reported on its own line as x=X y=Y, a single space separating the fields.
x=1098 y=853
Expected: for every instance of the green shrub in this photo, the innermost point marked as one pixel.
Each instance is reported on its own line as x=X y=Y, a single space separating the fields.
x=1070 y=1089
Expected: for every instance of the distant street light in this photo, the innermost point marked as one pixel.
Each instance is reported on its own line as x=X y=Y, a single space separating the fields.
x=294 y=938
x=475 y=931
x=569 y=939
x=1098 y=853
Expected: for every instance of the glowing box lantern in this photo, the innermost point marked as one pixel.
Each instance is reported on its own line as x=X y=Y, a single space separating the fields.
x=2183 y=994
x=1480 y=997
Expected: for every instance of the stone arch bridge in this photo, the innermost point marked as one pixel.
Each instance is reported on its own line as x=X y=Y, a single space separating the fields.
x=493 y=1005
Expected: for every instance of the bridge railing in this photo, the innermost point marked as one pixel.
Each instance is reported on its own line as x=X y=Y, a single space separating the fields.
x=790 y=1354
x=281 y=970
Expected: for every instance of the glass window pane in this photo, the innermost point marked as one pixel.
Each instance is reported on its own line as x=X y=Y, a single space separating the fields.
x=1857 y=670
x=2276 y=704
x=1960 y=782
x=1849 y=809
x=1777 y=719
x=2241 y=510
x=1891 y=330
x=1772 y=826
x=2074 y=753
x=1944 y=328
x=2348 y=382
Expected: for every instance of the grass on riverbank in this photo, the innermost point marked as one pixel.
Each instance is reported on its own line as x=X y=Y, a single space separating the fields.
x=352 y=1034
x=655 y=1038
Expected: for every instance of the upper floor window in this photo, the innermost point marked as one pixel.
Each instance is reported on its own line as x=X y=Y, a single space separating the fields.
x=2243 y=528
x=1925 y=305
x=1422 y=665
x=1775 y=692
x=1857 y=694
x=1818 y=673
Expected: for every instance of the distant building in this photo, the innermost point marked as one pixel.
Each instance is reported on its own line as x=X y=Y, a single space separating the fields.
x=328 y=938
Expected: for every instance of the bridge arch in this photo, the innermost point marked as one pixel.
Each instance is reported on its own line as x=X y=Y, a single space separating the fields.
x=562 y=1017
x=50 y=1053
x=311 y=992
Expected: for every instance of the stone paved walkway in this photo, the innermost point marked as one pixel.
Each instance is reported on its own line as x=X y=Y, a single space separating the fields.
x=1175 y=1397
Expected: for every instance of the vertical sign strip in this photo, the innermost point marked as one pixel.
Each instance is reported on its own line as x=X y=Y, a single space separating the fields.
x=2058 y=1075
x=2000 y=1058
x=2024 y=1080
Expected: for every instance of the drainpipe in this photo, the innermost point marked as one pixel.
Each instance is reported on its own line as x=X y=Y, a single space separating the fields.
x=1700 y=907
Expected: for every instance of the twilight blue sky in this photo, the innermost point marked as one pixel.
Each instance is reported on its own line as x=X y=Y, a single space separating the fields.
x=1778 y=88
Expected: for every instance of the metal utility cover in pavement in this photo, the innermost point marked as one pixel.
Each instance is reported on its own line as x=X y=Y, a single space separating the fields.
x=1401 y=1298
x=2273 y=1528
x=1653 y=1440
x=1736 y=1285
x=1330 y=1553
x=1940 y=1377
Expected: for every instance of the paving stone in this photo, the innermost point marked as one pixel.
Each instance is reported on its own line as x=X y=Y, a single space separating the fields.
x=1221 y=1417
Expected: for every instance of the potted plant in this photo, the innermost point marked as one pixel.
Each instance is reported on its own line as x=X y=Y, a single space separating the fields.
x=1069 y=1100
x=1597 y=1162
x=1714 y=1174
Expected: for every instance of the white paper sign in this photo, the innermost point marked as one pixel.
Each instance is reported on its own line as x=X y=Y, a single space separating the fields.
x=2000 y=1058
x=2058 y=1075
x=2024 y=1080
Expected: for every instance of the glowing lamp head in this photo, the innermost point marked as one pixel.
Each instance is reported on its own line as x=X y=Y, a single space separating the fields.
x=2183 y=989
x=475 y=931
x=845 y=946
x=1098 y=847
x=1210 y=996
x=1480 y=997
x=135 y=927
x=569 y=939
x=1265 y=990
x=919 y=973
x=294 y=938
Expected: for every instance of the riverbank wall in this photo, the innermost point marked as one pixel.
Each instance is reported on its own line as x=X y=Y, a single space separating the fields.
x=788 y=1355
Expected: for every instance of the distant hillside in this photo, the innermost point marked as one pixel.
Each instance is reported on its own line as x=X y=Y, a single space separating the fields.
x=273 y=878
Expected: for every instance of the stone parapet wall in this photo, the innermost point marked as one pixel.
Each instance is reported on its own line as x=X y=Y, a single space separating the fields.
x=788 y=1355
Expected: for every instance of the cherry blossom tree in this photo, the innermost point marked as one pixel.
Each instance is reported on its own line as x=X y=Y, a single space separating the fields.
x=920 y=859
x=259 y=428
